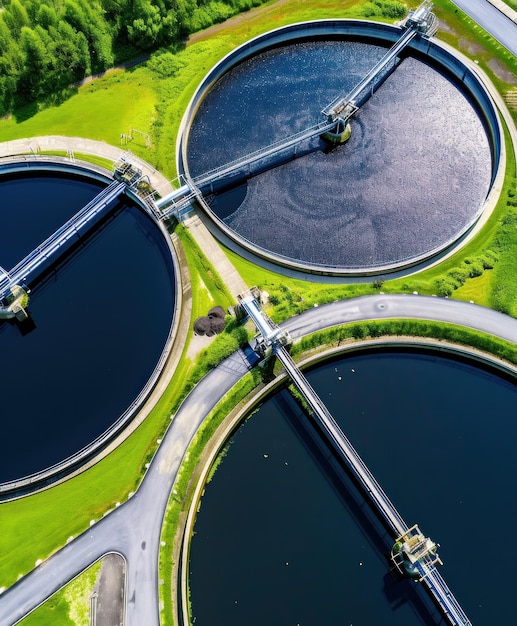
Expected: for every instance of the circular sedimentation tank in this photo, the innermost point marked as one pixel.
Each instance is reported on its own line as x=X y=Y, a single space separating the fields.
x=282 y=530
x=410 y=183
x=101 y=325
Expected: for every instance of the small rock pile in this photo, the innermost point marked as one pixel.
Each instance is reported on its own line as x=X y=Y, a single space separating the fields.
x=211 y=324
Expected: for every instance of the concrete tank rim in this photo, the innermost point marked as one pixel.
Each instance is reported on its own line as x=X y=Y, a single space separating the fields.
x=300 y=30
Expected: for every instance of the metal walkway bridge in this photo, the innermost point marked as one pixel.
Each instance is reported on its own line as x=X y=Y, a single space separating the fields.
x=274 y=339
x=334 y=128
x=179 y=199
x=420 y=21
x=39 y=260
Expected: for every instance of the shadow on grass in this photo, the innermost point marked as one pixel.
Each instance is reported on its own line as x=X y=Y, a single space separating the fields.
x=25 y=110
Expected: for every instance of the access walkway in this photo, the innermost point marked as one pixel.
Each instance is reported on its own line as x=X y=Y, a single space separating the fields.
x=420 y=21
x=334 y=129
x=273 y=338
x=36 y=262
x=345 y=107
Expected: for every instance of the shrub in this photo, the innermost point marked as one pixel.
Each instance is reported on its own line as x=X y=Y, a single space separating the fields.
x=488 y=259
x=359 y=332
x=165 y=64
x=391 y=9
x=444 y=287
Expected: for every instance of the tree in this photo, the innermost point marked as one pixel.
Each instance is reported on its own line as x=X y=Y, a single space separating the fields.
x=5 y=36
x=88 y=21
x=46 y=16
x=69 y=53
x=36 y=63
x=8 y=86
x=145 y=31
x=16 y=17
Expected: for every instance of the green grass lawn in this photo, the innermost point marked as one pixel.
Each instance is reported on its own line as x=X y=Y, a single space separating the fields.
x=70 y=606
x=102 y=109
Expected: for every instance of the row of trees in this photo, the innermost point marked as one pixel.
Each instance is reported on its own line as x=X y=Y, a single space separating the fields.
x=46 y=46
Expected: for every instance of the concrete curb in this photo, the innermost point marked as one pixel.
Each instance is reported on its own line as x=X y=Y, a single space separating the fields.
x=504 y=9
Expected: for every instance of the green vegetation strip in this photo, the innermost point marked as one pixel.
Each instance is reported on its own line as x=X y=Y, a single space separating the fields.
x=438 y=331
x=184 y=488
x=107 y=164
x=70 y=606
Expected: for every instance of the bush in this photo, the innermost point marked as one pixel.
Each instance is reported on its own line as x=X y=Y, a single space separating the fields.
x=444 y=288
x=165 y=64
x=475 y=267
x=359 y=332
x=391 y=9
x=488 y=260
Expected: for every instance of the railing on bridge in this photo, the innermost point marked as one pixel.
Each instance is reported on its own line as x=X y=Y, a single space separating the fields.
x=345 y=106
x=177 y=203
x=126 y=175
x=39 y=259
x=338 y=112
x=233 y=167
x=420 y=21
x=413 y=554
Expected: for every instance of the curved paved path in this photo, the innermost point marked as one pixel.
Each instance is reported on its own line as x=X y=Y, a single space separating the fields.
x=134 y=528
x=71 y=145
x=31 y=148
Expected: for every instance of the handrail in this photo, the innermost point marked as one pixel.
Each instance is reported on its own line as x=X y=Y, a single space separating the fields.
x=337 y=105
x=65 y=232
x=343 y=444
x=262 y=153
x=430 y=577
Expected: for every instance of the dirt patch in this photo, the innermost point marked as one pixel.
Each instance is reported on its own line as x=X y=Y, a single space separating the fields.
x=198 y=343
x=502 y=72
x=445 y=28
x=473 y=48
x=511 y=100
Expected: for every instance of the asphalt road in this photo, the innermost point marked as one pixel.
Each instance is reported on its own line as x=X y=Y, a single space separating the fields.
x=492 y=20
x=133 y=529
x=404 y=306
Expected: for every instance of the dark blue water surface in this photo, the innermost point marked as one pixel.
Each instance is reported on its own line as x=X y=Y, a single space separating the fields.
x=101 y=322
x=281 y=540
x=412 y=177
